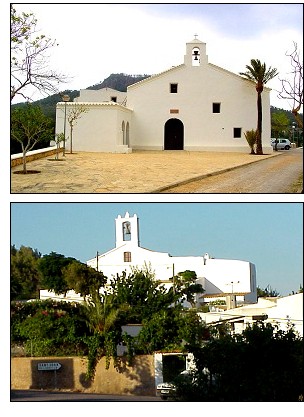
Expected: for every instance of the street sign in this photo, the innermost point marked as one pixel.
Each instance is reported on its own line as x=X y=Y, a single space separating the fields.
x=49 y=366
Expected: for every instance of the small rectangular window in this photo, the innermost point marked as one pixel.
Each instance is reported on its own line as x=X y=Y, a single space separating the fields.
x=114 y=99
x=127 y=256
x=237 y=132
x=216 y=107
x=173 y=88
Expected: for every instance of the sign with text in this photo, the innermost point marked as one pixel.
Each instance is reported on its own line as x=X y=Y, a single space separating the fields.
x=49 y=366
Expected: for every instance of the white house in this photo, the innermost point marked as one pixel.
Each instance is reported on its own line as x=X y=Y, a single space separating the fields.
x=281 y=312
x=195 y=106
x=233 y=280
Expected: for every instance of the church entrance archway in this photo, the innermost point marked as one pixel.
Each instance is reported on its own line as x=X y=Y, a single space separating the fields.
x=174 y=135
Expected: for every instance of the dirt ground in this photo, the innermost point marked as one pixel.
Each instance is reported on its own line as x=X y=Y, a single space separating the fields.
x=137 y=172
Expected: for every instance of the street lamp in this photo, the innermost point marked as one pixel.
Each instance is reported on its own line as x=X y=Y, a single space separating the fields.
x=232 y=298
x=293 y=130
x=65 y=98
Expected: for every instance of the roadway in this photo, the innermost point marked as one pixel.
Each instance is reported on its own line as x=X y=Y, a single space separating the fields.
x=273 y=175
x=40 y=395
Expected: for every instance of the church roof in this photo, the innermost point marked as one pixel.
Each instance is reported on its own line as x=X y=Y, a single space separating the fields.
x=95 y=103
x=156 y=75
x=195 y=40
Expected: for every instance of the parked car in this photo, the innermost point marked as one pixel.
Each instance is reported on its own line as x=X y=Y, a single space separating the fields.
x=281 y=144
x=167 y=390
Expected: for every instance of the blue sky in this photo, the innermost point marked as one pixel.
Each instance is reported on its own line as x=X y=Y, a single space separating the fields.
x=96 y=40
x=268 y=234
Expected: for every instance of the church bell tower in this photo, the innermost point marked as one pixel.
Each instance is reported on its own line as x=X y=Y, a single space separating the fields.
x=195 y=53
x=127 y=230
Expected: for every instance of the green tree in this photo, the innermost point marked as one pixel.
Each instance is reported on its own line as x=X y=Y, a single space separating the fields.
x=261 y=364
x=267 y=292
x=51 y=267
x=172 y=329
x=102 y=317
x=30 y=58
x=141 y=295
x=25 y=276
x=258 y=73
x=83 y=279
x=185 y=286
x=139 y=298
x=49 y=328
x=28 y=127
x=279 y=123
x=161 y=332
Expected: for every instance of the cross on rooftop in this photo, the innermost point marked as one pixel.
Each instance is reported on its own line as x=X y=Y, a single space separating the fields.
x=195 y=36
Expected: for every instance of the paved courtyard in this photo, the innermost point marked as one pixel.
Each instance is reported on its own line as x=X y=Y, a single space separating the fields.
x=137 y=172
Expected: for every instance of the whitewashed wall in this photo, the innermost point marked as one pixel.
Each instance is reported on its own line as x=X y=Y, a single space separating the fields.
x=102 y=95
x=99 y=129
x=198 y=88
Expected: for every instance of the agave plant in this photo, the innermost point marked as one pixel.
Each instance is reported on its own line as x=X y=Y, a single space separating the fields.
x=251 y=137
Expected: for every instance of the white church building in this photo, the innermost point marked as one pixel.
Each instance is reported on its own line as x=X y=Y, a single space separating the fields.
x=231 y=280
x=195 y=106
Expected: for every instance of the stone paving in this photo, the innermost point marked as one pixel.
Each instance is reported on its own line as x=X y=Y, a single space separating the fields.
x=136 y=172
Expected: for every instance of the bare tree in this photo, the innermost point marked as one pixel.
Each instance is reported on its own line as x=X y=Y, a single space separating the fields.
x=29 y=58
x=73 y=115
x=293 y=89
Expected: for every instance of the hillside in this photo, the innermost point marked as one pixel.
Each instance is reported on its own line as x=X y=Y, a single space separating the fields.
x=119 y=82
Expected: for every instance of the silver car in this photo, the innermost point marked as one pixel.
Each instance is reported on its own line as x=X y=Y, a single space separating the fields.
x=281 y=144
x=168 y=389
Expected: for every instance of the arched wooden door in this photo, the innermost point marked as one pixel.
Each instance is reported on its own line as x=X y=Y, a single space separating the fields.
x=174 y=135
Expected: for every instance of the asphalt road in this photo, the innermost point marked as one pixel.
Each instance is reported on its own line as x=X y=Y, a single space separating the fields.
x=273 y=175
x=36 y=395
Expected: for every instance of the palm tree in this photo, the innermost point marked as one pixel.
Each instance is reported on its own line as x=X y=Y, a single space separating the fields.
x=258 y=73
x=102 y=317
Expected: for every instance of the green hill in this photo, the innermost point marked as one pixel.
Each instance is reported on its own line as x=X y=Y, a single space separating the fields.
x=118 y=82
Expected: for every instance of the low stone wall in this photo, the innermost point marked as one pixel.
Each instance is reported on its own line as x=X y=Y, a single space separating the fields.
x=17 y=159
x=138 y=379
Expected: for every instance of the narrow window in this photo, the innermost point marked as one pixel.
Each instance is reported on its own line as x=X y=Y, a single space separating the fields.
x=123 y=132
x=216 y=107
x=173 y=88
x=127 y=256
x=237 y=132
